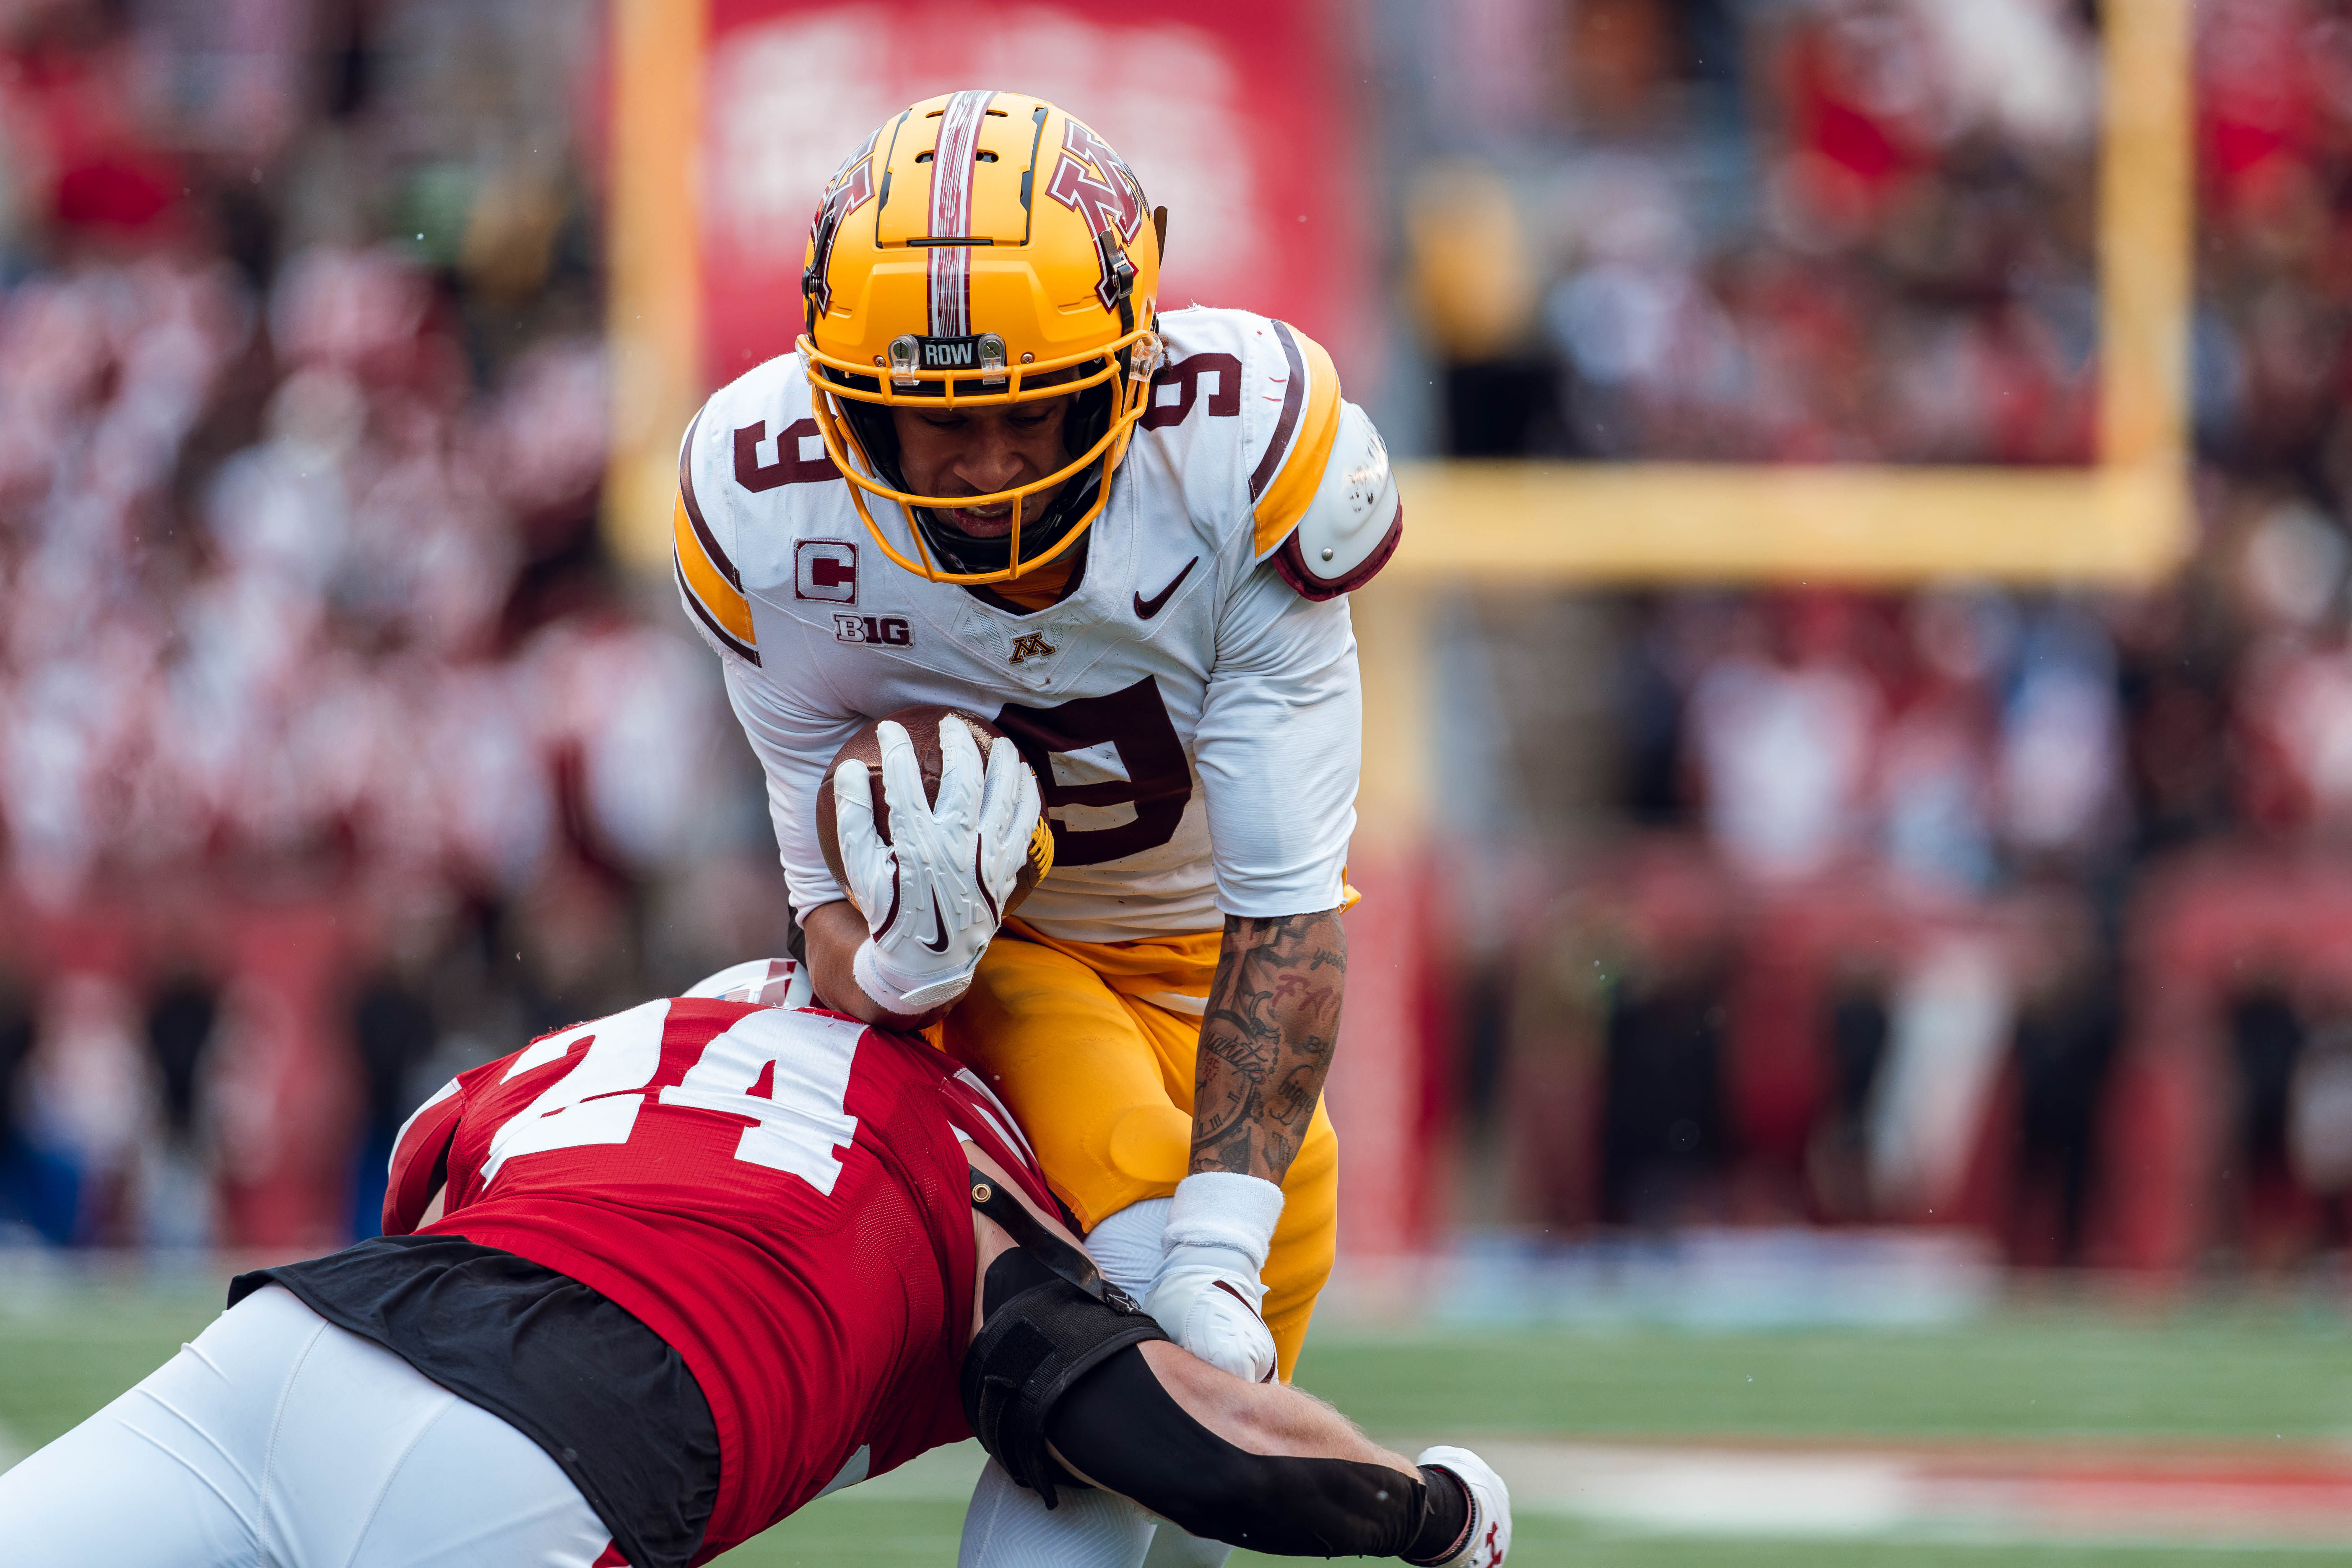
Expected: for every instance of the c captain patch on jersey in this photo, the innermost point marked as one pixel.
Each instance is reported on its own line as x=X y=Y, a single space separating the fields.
x=825 y=569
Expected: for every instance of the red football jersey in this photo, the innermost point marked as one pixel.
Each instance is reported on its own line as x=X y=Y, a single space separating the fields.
x=778 y=1194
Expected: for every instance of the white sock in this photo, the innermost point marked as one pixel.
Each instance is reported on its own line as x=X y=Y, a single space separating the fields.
x=1009 y=1526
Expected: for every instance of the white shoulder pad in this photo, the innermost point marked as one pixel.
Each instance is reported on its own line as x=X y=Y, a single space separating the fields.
x=1352 y=527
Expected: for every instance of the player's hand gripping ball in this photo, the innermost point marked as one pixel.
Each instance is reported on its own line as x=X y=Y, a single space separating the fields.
x=936 y=840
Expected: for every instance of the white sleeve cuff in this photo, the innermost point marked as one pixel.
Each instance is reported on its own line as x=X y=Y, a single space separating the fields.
x=1221 y=1208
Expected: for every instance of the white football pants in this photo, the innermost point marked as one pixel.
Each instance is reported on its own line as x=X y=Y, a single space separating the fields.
x=1009 y=1526
x=277 y=1440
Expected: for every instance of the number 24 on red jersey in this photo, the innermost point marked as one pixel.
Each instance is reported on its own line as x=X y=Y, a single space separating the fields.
x=781 y=1076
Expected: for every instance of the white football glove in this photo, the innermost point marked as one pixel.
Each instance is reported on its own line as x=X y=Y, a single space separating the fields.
x=1207 y=1294
x=934 y=894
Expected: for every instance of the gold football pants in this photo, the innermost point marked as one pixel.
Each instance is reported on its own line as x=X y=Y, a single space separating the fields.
x=1102 y=1082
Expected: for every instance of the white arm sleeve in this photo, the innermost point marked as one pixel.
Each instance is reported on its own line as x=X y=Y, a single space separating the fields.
x=1280 y=744
x=793 y=744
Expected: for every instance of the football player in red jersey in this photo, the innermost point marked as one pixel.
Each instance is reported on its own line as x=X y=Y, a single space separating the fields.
x=652 y=1283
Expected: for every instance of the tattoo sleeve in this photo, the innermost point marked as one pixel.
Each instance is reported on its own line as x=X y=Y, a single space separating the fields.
x=1266 y=1040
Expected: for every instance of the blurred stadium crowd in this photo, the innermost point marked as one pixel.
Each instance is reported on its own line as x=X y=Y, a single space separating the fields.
x=321 y=716
x=2023 y=910
x=324 y=719
x=1760 y=232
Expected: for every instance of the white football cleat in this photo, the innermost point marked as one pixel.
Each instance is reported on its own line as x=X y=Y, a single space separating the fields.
x=1489 y=1536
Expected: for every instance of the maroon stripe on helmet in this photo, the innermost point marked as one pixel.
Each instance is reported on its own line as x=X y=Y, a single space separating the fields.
x=953 y=159
x=950 y=278
x=693 y=508
x=1294 y=398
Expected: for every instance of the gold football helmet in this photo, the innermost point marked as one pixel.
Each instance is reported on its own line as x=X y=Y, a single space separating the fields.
x=982 y=249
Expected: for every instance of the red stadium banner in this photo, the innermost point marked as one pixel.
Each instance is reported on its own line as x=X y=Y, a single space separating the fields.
x=1228 y=109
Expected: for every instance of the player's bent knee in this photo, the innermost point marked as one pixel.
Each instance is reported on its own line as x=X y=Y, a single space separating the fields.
x=1039 y=1335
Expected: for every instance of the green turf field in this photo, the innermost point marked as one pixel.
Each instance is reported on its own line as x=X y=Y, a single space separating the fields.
x=2242 y=1374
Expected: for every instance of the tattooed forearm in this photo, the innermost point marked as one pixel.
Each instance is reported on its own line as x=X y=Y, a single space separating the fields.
x=1266 y=1041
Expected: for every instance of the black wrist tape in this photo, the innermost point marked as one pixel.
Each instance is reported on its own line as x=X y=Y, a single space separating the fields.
x=1446 y=1521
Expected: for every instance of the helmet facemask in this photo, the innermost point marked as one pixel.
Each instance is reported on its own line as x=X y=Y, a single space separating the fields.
x=852 y=416
x=966 y=554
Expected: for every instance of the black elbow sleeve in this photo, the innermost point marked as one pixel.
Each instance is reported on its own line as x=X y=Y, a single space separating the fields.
x=1042 y=1336
x=1120 y=1427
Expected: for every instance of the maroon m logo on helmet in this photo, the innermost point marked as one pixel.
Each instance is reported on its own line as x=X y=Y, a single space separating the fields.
x=850 y=188
x=1112 y=198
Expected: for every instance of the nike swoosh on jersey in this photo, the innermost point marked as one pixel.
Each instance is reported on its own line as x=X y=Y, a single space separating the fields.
x=1147 y=609
x=941 y=923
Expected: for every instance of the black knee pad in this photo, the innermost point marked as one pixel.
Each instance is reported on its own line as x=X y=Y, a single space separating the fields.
x=1040 y=1334
x=1131 y=1436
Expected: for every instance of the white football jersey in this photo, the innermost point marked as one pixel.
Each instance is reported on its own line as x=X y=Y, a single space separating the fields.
x=1194 y=719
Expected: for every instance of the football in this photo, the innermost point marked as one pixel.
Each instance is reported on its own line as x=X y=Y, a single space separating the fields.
x=923 y=725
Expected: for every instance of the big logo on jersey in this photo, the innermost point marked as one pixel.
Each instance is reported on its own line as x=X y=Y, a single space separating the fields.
x=1111 y=771
x=879 y=631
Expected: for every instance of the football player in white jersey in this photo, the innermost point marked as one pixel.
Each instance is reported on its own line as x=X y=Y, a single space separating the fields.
x=994 y=475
